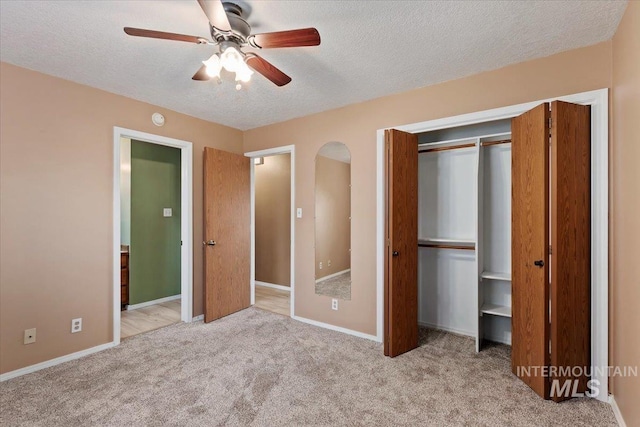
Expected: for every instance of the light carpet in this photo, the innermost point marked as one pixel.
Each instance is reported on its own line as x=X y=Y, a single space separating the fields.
x=336 y=287
x=262 y=369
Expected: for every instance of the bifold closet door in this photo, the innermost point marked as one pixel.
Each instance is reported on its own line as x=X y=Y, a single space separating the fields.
x=529 y=247
x=571 y=246
x=401 y=252
x=551 y=283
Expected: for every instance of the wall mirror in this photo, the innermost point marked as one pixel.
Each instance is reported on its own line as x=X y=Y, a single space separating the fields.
x=333 y=221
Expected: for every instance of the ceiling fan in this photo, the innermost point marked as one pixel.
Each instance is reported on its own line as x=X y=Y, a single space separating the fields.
x=231 y=32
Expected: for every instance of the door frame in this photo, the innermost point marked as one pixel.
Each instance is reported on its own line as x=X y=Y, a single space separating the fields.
x=286 y=149
x=186 y=220
x=599 y=102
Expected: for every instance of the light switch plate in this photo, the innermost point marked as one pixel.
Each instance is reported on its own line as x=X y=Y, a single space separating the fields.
x=167 y=212
x=299 y=212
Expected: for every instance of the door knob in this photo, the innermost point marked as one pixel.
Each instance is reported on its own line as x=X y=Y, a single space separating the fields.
x=395 y=253
x=209 y=243
x=538 y=263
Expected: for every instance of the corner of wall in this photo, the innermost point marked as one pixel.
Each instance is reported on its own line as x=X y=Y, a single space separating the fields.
x=624 y=205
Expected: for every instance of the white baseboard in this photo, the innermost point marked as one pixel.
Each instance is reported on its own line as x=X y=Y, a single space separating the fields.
x=331 y=276
x=155 y=301
x=497 y=339
x=273 y=285
x=198 y=318
x=463 y=333
x=446 y=329
x=336 y=328
x=616 y=411
x=56 y=361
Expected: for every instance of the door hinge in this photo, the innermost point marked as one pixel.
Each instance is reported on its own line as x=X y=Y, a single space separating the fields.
x=388 y=242
x=550 y=120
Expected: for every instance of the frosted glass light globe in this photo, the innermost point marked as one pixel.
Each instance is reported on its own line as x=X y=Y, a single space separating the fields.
x=213 y=66
x=231 y=59
x=243 y=73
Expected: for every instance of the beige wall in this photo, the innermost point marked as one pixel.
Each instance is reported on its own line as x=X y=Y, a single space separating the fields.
x=355 y=125
x=56 y=169
x=56 y=173
x=332 y=211
x=625 y=223
x=273 y=220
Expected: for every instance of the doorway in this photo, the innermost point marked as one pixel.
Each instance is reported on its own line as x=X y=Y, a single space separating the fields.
x=272 y=197
x=273 y=229
x=148 y=311
x=150 y=217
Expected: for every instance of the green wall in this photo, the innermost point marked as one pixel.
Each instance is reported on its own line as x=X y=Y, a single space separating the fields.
x=155 y=239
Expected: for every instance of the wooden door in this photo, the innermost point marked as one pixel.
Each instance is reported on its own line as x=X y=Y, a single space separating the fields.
x=571 y=245
x=401 y=254
x=530 y=247
x=227 y=222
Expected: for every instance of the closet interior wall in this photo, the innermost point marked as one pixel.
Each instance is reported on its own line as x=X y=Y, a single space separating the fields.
x=464 y=231
x=494 y=240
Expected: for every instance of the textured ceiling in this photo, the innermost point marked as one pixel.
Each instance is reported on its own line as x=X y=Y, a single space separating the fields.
x=369 y=48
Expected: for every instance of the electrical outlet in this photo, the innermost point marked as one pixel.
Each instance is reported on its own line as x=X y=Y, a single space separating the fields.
x=30 y=336
x=76 y=325
x=329 y=263
x=334 y=304
x=320 y=266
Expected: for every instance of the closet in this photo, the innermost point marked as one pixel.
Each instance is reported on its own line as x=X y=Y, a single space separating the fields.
x=488 y=235
x=464 y=234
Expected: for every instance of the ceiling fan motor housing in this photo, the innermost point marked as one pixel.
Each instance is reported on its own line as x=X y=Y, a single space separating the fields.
x=239 y=26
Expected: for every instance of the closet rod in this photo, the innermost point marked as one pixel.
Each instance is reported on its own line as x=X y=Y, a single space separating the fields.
x=445 y=246
x=455 y=147
x=504 y=141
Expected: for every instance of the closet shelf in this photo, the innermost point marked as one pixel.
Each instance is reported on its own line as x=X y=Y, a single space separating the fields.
x=496 y=310
x=447 y=243
x=451 y=147
x=490 y=143
x=448 y=143
x=496 y=276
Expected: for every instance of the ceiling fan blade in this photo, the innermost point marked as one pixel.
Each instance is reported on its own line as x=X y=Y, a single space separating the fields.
x=291 y=38
x=201 y=74
x=267 y=69
x=139 y=32
x=216 y=14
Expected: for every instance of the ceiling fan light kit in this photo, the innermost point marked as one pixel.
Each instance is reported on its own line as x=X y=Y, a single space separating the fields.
x=231 y=32
x=231 y=60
